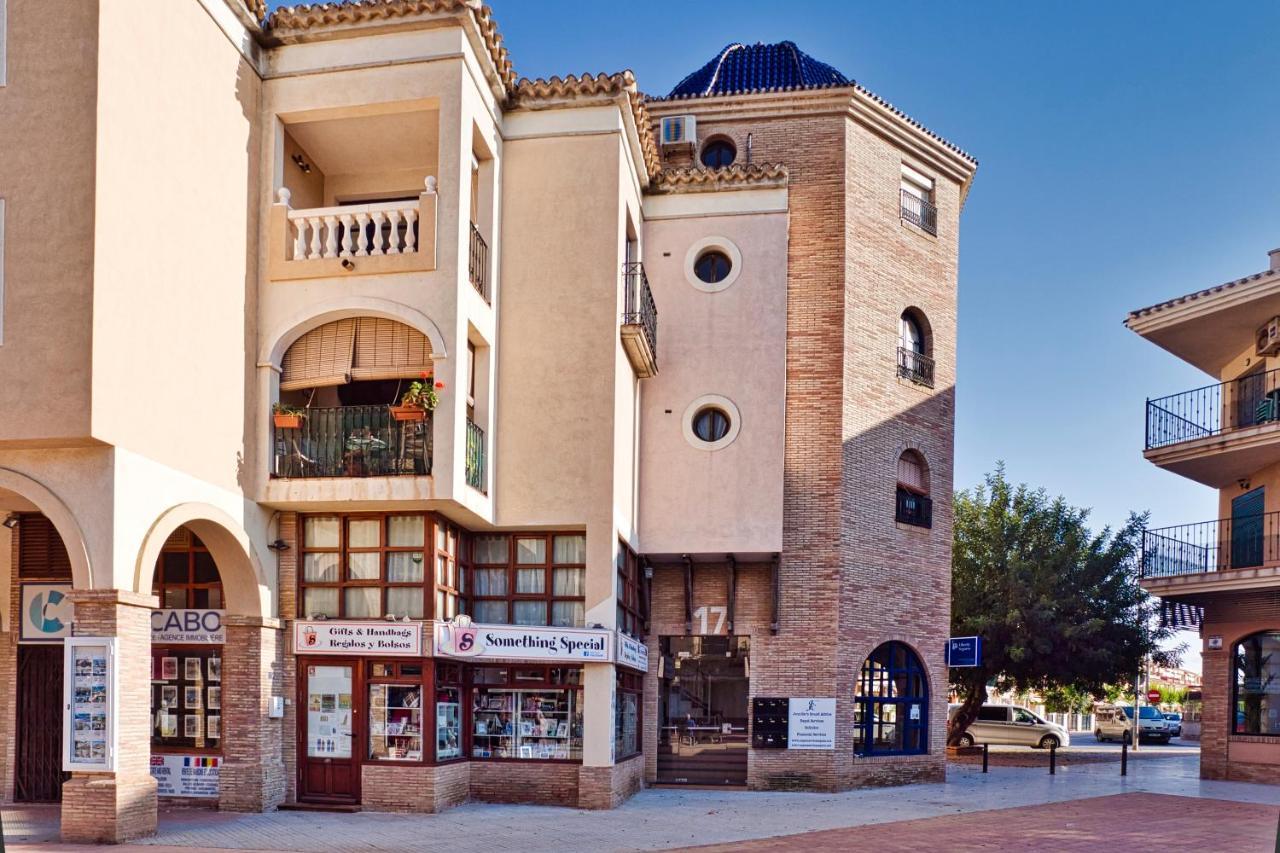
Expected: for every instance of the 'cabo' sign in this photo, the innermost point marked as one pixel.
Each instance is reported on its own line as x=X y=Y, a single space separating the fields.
x=399 y=639
x=519 y=643
x=188 y=626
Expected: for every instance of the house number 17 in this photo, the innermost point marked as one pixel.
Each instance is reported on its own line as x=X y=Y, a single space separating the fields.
x=706 y=613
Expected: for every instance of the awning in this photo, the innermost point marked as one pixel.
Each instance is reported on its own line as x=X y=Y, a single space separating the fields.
x=357 y=348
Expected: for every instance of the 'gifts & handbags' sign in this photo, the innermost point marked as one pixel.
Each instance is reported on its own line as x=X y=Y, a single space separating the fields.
x=397 y=639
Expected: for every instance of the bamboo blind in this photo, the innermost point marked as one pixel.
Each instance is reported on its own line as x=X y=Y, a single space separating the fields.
x=911 y=472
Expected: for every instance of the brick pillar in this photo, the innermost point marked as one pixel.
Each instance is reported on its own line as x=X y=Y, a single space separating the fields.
x=1214 y=725
x=119 y=806
x=252 y=776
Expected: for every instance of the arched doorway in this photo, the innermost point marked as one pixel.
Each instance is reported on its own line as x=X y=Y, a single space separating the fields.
x=891 y=703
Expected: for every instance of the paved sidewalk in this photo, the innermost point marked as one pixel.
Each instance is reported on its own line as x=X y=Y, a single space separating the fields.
x=662 y=818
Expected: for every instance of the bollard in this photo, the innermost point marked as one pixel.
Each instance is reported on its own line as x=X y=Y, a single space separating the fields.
x=1124 y=758
x=1053 y=759
x=984 y=758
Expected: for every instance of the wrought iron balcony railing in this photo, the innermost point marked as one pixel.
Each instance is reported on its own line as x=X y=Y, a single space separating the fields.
x=915 y=366
x=919 y=212
x=352 y=441
x=638 y=300
x=476 y=457
x=914 y=509
x=1242 y=542
x=1214 y=409
x=478 y=263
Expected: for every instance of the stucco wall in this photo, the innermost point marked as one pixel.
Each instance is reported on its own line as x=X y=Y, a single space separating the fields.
x=47 y=129
x=730 y=343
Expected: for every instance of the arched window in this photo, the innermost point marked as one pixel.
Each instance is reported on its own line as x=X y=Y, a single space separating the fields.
x=913 y=505
x=891 y=705
x=915 y=359
x=186 y=575
x=717 y=153
x=1255 y=698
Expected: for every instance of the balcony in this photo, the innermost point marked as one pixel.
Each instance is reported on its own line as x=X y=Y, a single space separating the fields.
x=1218 y=434
x=919 y=212
x=1212 y=556
x=476 y=473
x=915 y=367
x=915 y=510
x=478 y=263
x=639 y=321
x=352 y=441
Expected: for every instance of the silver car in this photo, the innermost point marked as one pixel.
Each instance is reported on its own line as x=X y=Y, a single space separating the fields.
x=1014 y=725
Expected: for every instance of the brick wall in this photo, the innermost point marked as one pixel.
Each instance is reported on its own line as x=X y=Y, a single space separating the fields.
x=115 y=807
x=609 y=787
x=9 y=680
x=288 y=686
x=540 y=783
x=252 y=776
x=1224 y=755
x=414 y=789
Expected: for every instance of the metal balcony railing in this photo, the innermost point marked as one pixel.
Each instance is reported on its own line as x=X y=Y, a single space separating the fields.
x=638 y=305
x=352 y=441
x=919 y=212
x=1248 y=401
x=1242 y=542
x=476 y=457
x=478 y=263
x=915 y=366
x=914 y=509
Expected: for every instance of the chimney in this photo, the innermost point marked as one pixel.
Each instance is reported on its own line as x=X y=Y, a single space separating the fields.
x=1274 y=255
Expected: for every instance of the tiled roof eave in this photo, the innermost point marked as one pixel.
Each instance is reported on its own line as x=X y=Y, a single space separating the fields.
x=1150 y=311
x=736 y=176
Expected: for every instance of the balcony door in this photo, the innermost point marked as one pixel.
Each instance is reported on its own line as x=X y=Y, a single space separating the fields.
x=1250 y=390
x=1247 y=529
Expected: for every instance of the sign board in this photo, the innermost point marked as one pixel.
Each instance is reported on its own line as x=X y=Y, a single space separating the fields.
x=517 y=642
x=393 y=639
x=1153 y=696
x=964 y=651
x=90 y=702
x=46 y=612
x=632 y=653
x=194 y=627
x=1214 y=642
x=811 y=724
x=186 y=775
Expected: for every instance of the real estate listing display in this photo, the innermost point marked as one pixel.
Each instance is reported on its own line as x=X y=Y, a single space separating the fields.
x=89 y=724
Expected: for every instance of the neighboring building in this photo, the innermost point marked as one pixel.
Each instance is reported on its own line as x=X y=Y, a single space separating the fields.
x=1172 y=676
x=1223 y=575
x=694 y=366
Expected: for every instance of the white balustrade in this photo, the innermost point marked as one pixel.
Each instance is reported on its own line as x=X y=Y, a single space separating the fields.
x=357 y=230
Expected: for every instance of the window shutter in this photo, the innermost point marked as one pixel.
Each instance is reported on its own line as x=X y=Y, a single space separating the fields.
x=911 y=473
x=320 y=357
x=41 y=553
x=386 y=349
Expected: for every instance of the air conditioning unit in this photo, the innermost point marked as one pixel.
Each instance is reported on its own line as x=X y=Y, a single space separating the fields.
x=1269 y=338
x=679 y=130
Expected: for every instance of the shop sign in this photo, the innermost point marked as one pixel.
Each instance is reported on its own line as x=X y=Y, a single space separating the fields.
x=811 y=724
x=964 y=651
x=632 y=653
x=186 y=775
x=90 y=701
x=516 y=642
x=195 y=627
x=46 y=612
x=395 y=639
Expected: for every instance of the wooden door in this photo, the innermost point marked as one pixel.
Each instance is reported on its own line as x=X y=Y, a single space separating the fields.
x=38 y=775
x=330 y=725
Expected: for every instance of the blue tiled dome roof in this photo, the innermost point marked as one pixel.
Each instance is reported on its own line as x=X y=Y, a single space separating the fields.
x=750 y=68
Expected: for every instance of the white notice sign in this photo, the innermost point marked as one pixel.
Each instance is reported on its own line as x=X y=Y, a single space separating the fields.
x=185 y=775
x=811 y=724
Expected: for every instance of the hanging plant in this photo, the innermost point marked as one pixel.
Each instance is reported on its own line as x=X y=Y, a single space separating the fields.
x=287 y=417
x=419 y=399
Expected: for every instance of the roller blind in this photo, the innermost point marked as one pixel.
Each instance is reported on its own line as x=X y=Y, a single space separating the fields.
x=386 y=349
x=911 y=473
x=41 y=553
x=320 y=357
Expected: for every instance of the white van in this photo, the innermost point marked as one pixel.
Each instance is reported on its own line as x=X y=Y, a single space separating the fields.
x=1115 y=722
x=1011 y=724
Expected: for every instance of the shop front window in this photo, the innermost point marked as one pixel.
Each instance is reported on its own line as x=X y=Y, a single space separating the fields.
x=529 y=579
x=891 y=708
x=631 y=616
x=395 y=712
x=1256 y=683
x=525 y=714
x=380 y=567
x=186 y=697
x=626 y=732
x=329 y=720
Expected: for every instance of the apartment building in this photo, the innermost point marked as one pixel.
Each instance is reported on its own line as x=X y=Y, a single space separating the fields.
x=1221 y=575
x=454 y=435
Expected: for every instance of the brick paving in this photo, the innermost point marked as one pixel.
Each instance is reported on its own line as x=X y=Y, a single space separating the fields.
x=1129 y=822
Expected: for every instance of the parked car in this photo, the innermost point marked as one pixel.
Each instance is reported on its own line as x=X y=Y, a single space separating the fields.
x=1175 y=724
x=1115 y=722
x=1011 y=724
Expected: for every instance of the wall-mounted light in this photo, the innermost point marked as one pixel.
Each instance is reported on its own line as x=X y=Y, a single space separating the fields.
x=348 y=264
x=1244 y=483
x=279 y=545
x=11 y=520
x=301 y=163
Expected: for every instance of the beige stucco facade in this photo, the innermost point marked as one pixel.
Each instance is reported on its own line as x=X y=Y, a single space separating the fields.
x=231 y=245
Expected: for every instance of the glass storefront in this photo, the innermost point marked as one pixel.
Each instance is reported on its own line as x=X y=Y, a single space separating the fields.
x=703 y=709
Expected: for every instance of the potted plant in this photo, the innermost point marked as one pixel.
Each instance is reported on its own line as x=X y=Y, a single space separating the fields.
x=286 y=416
x=417 y=401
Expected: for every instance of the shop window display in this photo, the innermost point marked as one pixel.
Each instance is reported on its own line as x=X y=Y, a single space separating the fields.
x=518 y=714
x=186 y=698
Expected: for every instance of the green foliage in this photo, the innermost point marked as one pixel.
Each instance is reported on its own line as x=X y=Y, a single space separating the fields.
x=1067 y=700
x=286 y=409
x=422 y=394
x=1057 y=606
x=1170 y=695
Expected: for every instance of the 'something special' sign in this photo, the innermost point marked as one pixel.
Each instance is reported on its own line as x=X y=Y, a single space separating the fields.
x=523 y=643
x=397 y=639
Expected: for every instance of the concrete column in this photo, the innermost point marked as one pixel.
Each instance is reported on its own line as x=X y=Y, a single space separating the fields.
x=118 y=806
x=252 y=776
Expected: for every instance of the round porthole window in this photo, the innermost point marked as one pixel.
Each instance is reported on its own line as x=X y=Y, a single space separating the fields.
x=718 y=153
x=711 y=422
x=712 y=266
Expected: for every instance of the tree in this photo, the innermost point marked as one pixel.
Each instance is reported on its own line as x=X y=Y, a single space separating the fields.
x=1057 y=606
x=1171 y=695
